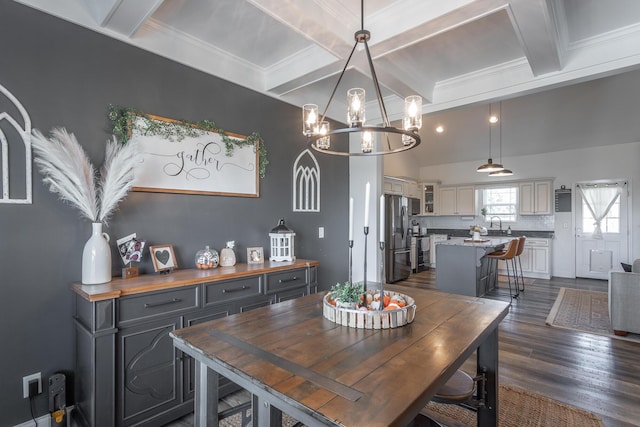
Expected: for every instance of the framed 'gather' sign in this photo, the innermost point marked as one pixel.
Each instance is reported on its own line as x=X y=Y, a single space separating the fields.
x=196 y=161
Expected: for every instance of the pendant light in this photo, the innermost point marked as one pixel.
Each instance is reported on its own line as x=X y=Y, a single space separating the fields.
x=503 y=171
x=490 y=166
x=317 y=130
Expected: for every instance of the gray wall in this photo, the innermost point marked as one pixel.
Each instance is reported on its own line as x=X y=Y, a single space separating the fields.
x=66 y=76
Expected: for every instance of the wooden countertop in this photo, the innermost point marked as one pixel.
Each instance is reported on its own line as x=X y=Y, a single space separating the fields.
x=154 y=282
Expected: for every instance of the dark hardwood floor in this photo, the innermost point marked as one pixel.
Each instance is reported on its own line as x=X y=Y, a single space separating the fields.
x=592 y=372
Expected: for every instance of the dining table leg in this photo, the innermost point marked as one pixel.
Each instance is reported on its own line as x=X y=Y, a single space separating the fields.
x=206 y=396
x=487 y=363
x=264 y=414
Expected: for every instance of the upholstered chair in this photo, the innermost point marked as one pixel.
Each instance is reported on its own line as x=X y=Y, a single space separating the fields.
x=624 y=300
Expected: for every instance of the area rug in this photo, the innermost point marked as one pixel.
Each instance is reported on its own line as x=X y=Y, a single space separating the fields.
x=518 y=408
x=584 y=311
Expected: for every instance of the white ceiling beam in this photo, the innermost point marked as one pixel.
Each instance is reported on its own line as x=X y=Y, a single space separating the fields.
x=534 y=25
x=124 y=17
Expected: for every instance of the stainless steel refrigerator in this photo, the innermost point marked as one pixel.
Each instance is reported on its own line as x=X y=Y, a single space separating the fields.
x=397 y=257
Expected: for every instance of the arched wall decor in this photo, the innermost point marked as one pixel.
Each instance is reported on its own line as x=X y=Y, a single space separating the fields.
x=24 y=132
x=306 y=183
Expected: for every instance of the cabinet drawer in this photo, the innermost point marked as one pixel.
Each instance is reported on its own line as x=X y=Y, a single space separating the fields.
x=157 y=303
x=536 y=242
x=231 y=289
x=286 y=280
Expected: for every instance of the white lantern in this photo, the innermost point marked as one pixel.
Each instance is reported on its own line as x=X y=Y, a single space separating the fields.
x=282 y=243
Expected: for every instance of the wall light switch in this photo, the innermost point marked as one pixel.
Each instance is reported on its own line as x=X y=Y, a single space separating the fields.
x=321 y=232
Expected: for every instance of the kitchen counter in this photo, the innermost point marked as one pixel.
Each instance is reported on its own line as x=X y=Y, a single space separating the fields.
x=484 y=242
x=494 y=233
x=463 y=268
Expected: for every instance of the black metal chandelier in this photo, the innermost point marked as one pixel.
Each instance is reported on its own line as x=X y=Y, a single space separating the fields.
x=318 y=131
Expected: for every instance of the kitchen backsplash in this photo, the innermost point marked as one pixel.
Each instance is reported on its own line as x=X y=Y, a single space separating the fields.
x=533 y=222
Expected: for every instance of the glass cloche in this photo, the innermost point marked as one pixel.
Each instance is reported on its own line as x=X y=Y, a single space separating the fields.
x=207 y=258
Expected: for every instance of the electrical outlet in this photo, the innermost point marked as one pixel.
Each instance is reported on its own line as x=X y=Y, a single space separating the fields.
x=28 y=380
x=321 y=232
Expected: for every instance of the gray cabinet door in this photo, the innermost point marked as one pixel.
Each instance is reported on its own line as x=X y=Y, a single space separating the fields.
x=148 y=370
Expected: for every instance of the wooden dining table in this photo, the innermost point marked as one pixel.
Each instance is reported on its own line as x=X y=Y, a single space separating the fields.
x=293 y=360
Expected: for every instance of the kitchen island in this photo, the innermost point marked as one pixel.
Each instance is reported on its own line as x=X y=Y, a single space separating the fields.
x=462 y=266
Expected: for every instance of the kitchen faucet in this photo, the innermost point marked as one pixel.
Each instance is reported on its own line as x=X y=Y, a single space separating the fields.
x=491 y=222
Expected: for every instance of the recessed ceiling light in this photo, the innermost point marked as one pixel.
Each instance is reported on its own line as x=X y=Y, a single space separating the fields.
x=493 y=119
x=439 y=129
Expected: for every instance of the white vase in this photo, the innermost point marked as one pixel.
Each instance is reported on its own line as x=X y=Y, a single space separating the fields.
x=96 y=257
x=476 y=235
x=227 y=257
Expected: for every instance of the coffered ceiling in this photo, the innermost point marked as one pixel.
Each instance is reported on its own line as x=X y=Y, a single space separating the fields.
x=452 y=53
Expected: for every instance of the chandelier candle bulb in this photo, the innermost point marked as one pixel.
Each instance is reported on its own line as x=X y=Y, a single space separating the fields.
x=367 y=142
x=309 y=119
x=366 y=204
x=355 y=112
x=324 y=142
x=413 y=112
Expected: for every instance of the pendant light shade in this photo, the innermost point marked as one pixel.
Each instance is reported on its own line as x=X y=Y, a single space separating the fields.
x=490 y=166
x=502 y=172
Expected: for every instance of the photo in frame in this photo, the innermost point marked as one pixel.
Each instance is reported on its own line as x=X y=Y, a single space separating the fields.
x=163 y=257
x=255 y=255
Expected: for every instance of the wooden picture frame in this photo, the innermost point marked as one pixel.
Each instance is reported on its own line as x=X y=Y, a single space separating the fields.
x=163 y=257
x=195 y=161
x=255 y=255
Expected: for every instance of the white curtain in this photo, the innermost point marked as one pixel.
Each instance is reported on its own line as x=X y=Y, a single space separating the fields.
x=599 y=201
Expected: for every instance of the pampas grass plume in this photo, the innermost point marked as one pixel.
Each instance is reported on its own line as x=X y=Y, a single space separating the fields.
x=68 y=172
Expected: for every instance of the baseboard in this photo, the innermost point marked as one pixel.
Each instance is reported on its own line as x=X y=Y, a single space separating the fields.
x=45 y=420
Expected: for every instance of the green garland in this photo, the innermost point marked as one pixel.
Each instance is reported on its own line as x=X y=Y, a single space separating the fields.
x=177 y=130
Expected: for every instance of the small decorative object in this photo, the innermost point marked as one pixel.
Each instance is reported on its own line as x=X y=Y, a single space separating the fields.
x=348 y=295
x=476 y=231
x=130 y=249
x=207 y=258
x=255 y=255
x=391 y=311
x=164 y=260
x=282 y=243
x=69 y=174
x=228 y=255
x=483 y=212
x=21 y=124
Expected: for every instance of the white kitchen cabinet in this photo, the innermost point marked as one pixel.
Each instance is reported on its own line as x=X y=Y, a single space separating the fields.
x=392 y=185
x=428 y=198
x=535 y=198
x=457 y=200
x=411 y=189
x=535 y=259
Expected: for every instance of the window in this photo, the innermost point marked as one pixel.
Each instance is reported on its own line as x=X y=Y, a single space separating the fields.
x=501 y=202
x=609 y=224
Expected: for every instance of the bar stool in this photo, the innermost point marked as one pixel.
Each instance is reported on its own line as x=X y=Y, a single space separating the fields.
x=507 y=256
x=462 y=390
x=521 y=241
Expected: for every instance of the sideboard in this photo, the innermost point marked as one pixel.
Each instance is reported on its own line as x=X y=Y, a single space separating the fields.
x=127 y=369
